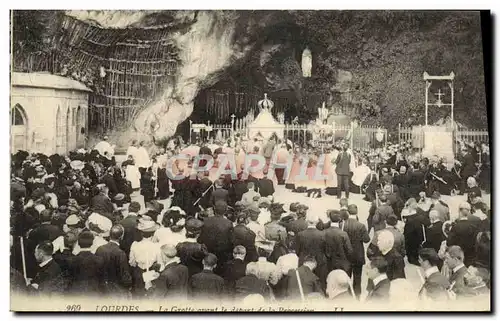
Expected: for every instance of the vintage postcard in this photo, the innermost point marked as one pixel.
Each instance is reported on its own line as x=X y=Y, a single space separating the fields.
x=263 y=161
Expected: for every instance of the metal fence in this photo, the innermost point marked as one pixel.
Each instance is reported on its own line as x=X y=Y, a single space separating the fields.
x=415 y=135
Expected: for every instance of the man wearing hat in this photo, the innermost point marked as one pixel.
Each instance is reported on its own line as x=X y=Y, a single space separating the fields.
x=300 y=223
x=190 y=252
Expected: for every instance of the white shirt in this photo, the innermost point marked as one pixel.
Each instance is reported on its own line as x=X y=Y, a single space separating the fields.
x=144 y=254
x=456 y=268
x=164 y=235
x=264 y=216
x=133 y=176
x=103 y=147
x=431 y=271
x=259 y=231
x=142 y=158
x=379 y=279
x=359 y=174
x=131 y=151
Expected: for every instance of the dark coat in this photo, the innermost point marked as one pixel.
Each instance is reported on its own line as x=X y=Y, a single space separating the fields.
x=206 y=285
x=311 y=242
x=435 y=286
x=116 y=273
x=310 y=283
x=63 y=259
x=102 y=205
x=459 y=286
x=464 y=234
x=266 y=187
x=49 y=279
x=238 y=189
x=244 y=236
x=468 y=166
x=233 y=271
x=87 y=271
x=338 y=249
x=131 y=233
x=297 y=226
x=434 y=235
x=45 y=232
x=414 y=235
x=219 y=194
x=343 y=160
x=380 y=215
x=110 y=184
x=380 y=292
x=358 y=235
x=216 y=234
x=172 y=282
x=395 y=265
x=250 y=284
x=191 y=255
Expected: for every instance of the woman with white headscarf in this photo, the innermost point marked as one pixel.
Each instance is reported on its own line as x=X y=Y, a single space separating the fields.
x=473 y=190
x=339 y=287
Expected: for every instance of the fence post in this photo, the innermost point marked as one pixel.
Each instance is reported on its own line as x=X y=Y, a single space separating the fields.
x=399 y=133
x=190 y=129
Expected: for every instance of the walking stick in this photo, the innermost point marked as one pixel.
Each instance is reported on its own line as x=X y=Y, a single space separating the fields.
x=25 y=274
x=203 y=194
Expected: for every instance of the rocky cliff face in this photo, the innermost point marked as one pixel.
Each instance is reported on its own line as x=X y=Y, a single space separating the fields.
x=214 y=41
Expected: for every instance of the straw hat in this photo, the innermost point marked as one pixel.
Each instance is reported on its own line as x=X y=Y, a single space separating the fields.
x=77 y=165
x=146 y=224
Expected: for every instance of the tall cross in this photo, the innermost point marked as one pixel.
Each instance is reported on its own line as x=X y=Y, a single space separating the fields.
x=439 y=94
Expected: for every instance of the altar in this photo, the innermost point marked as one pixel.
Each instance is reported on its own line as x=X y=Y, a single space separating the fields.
x=264 y=124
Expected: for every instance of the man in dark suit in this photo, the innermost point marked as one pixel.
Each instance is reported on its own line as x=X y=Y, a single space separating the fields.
x=174 y=278
x=300 y=224
x=376 y=271
x=311 y=242
x=463 y=234
x=309 y=282
x=219 y=194
x=117 y=278
x=338 y=248
x=251 y=284
x=454 y=258
x=110 y=183
x=101 y=203
x=434 y=233
x=48 y=280
x=46 y=231
x=436 y=285
x=343 y=171
x=206 y=285
x=64 y=257
x=216 y=234
x=358 y=235
x=86 y=269
x=129 y=224
x=234 y=269
x=245 y=237
x=266 y=186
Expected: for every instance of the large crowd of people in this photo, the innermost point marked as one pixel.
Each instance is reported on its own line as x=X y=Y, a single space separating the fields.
x=87 y=225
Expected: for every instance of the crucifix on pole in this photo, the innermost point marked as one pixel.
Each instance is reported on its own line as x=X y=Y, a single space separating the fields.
x=439 y=103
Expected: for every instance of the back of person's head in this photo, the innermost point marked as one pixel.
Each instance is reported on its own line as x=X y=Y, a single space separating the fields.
x=335 y=216
x=344 y=214
x=134 y=207
x=430 y=255
x=70 y=240
x=46 y=215
x=392 y=220
x=116 y=232
x=239 y=250
x=46 y=248
x=385 y=241
x=312 y=219
x=352 y=209
x=293 y=207
x=434 y=216
x=220 y=208
x=336 y=281
x=383 y=198
x=344 y=202
x=85 y=239
x=250 y=186
x=252 y=269
x=310 y=259
x=210 y=260
x=379 y=263
x=168 y=251
x=456 y=252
